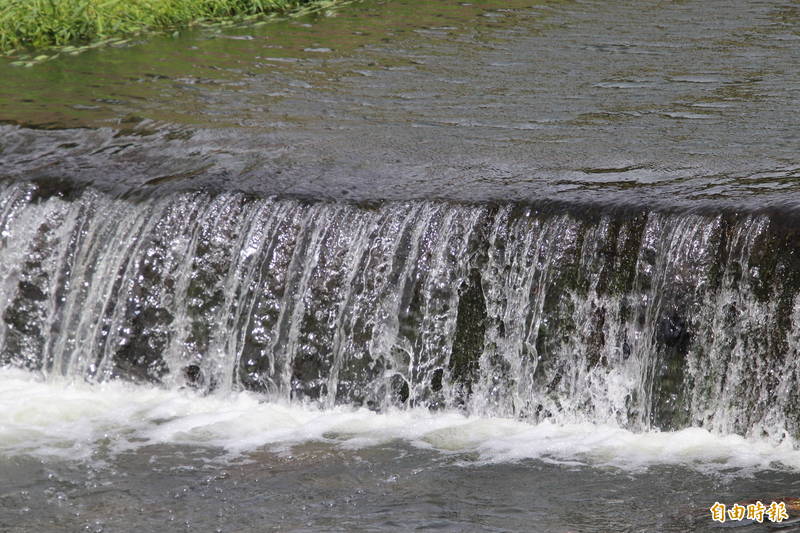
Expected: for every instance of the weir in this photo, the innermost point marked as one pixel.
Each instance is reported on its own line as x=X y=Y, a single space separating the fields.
x=648 y=319
x=397 y=265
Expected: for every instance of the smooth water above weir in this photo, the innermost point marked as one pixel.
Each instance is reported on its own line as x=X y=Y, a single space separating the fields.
x=633 y=103
x=642 y=319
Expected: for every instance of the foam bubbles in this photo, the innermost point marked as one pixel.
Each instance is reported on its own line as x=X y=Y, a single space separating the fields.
x=78 y=421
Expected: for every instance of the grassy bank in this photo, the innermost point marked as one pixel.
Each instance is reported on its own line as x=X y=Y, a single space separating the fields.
x=47 y=23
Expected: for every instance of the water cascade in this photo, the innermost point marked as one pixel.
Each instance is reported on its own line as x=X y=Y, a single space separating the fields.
x=647 y=319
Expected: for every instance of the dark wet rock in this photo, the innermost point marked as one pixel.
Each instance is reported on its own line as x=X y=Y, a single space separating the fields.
x=469 y=336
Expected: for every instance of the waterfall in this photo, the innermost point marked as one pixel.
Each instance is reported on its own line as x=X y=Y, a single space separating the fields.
x=647 y=319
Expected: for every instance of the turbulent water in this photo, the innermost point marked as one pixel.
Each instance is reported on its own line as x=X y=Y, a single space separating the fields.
x=65 y=420
x=195 y=355
x=641 y=319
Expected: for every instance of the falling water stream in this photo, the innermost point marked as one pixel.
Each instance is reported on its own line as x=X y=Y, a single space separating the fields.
x=632 y=339
x=643 y=319
x=327 y=274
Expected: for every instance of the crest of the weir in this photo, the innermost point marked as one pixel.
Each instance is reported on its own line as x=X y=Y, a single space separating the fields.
x=643 y=319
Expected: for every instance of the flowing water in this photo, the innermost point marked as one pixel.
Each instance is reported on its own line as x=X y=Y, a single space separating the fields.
x=405 y=265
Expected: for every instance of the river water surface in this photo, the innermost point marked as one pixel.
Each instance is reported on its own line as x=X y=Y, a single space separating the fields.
x=466 y=266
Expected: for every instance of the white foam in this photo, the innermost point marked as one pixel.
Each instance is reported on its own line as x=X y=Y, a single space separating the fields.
x=76 y=420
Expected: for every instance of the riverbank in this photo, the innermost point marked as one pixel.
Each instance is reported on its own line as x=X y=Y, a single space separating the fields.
x=38 y=24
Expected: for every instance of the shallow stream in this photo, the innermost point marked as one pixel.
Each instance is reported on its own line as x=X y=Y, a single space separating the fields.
x=466 y=266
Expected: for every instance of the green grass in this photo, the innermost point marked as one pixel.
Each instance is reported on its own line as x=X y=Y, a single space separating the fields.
x=35 y=24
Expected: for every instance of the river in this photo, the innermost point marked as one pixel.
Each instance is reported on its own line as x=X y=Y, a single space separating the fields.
x=468 y=266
